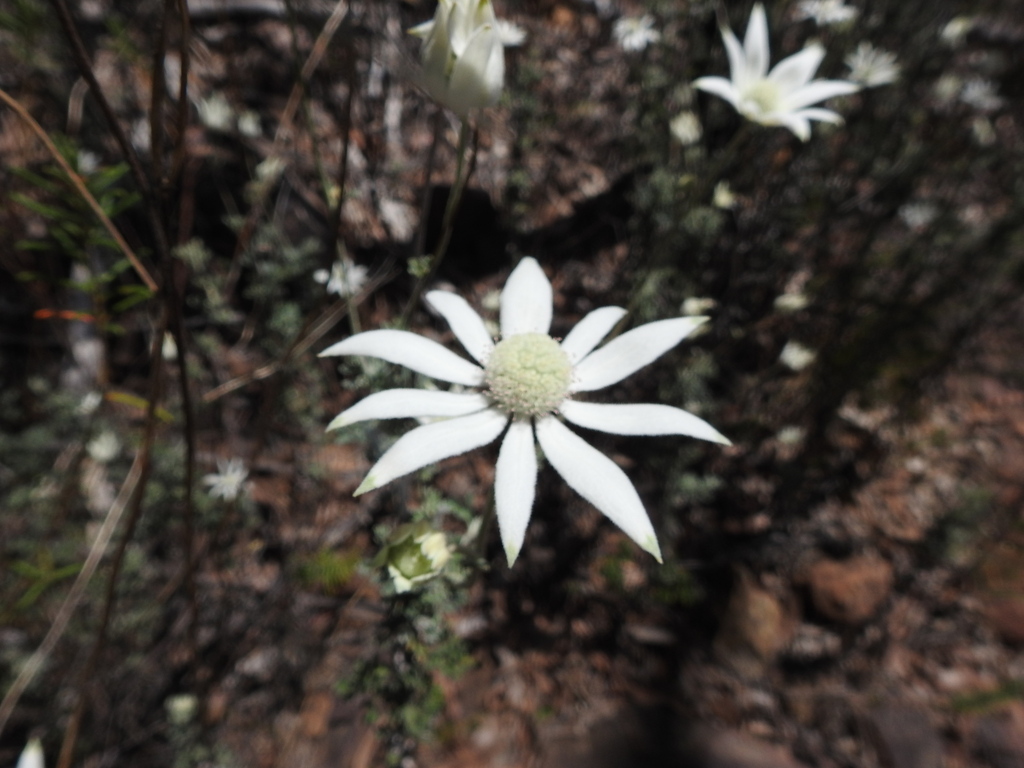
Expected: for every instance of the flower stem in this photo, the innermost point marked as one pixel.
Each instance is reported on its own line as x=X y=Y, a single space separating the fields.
x=454 y=198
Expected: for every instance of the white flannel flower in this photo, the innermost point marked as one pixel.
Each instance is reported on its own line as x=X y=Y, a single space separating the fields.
x=981 y=94
x=229 y=479
x=524 y=380
x=782 y=96
x=825 y=12
x=414 y=554
x=346 y=278
x=634 y=33
x=463 y=56
x=871 y=66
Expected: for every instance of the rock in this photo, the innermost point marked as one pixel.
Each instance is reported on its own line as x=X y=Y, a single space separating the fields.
x=1006 y=617
x=755 y=628
x=1001 y=583
x=998 y=738
x=849 y=591
x=905 y=737
x=711 y=748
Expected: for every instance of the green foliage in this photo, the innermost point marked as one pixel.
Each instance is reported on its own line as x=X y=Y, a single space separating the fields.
x=328 y=571
x=41 y=575
x=674 y=585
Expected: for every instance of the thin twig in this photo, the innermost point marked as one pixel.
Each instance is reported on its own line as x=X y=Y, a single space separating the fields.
x=454 y=198
x=74 y=596
x=82 y=190
x=155 y=386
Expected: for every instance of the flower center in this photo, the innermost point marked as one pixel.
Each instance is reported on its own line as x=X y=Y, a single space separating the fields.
x=528 y=374
x=760 y=98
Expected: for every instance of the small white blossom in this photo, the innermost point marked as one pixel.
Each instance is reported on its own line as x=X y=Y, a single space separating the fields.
x=526 y=384
x=871 y=66
x=510 y=33
x=981 y=94
x=723 y=196
x=782 y=96
x=697 y=305
x=634 y=33
x=249 y=124
x=918 y=216
x=229 y=479
x=87 y=162
x=791 y=302
x=825 y=12
x=463 y=56
x=796 y=356
x=216 y=113
x=345 y=279
x=169 y=347
x=685 y=127
x=89 y=403
x=104 y=447
x=955 y=32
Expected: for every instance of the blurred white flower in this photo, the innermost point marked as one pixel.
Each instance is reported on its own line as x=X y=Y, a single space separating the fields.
x=685 y=127
x=791 y=302
x=249 y=124
x=463 y=56
x=981 y=94
x=345 y=279
x=872 y=66
x=87 y=162
x=229 y=479
x=782 y=96
x=634 y=33
x=796 y=356
x=510 y=33
x=825 y=12
x=523 y=381
x=918 y=216
x=955 y=32
x=104 y=447
x=89 y=403
x=216 y=113
x=169 y=347
x=181 y=708
x=32 y=756
x=723 y=196
x=697 y=305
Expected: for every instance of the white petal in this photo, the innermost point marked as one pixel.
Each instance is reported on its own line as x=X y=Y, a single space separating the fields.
x=515 y=484
x=817 y=91
x=824 y=115
x=597 y=479
x=755 y=43
x=415 y=352
x=630 y=352
x=720 y=87
x=422 y=30
x=639 y=419
x=410 y=403
x=478 y=76
x=795 y=121
x=794 y=72
x=427 y=445
x=526 y=300
x=589 y=331
x=737 y=58
x=465 y=323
